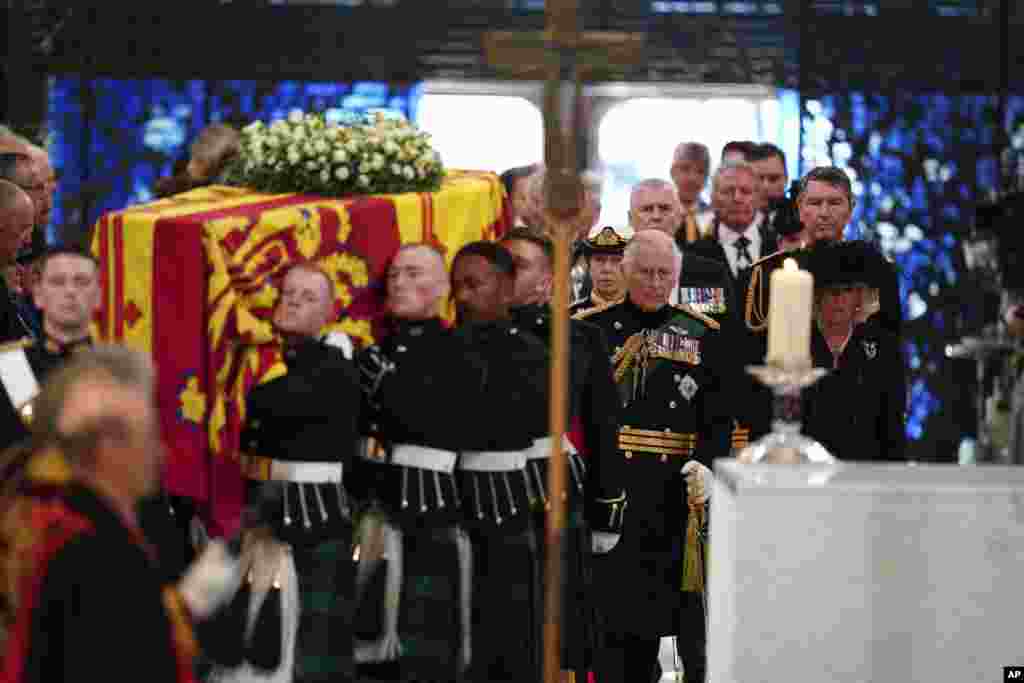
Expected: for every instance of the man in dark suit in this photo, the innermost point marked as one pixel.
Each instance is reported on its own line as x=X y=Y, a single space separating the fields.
x=738 y=235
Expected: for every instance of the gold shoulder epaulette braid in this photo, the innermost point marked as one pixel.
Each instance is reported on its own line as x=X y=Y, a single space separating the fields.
x=709 y=321
x=587 y=312
x=23 y=343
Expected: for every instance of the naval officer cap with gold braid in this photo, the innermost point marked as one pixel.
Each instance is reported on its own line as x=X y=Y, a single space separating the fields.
x=607 y=241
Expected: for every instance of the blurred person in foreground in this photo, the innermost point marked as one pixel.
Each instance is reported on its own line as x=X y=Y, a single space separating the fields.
x=74 y=560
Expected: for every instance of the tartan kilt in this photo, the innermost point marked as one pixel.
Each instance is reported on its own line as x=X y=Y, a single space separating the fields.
x=428 y=618
x=326 y=573
x=580 y=633
x=506 y=592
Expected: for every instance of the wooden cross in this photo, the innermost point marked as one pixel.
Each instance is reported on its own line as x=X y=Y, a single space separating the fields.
x=563 y=56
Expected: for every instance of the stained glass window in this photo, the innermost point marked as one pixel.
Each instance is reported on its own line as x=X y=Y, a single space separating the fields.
x=113 y=138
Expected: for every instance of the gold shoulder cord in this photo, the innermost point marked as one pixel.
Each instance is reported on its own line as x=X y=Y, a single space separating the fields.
x=623 y=359
x=756 y=317
x=689 y=310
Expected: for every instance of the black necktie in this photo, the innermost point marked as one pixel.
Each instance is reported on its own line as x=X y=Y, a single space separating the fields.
x=743 y=259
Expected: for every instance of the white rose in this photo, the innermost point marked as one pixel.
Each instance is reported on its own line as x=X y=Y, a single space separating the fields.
x=366 y=167
x=390 y=147
x=272 y=142
x=396 y=169
x=320 y=146
x=332 y=132
x=340 y=156
x=298 y=133
x=352 y=146
x=378 y=161
x=325 y=176
x=408 y=172
x=308 y=150
x=311 y=166
x=364 y=180
x=342 y=173
x=295 y=116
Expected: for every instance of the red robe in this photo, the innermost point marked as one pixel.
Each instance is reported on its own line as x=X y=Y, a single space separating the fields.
x=87 y=599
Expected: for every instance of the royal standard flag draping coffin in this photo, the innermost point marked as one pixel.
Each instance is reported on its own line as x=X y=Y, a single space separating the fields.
x=193 y=279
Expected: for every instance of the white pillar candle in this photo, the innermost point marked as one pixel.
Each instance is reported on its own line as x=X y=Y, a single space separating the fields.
x=791 y=292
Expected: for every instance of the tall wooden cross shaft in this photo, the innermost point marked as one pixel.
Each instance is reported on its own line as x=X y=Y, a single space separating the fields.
x=563 y=56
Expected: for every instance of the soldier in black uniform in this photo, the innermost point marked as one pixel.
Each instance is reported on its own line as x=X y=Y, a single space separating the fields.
x=596 y=494
x=857 y=410
x=493 y=479
x=669 y=367
x=408 y=478
x=603 y=255
x=300 y=435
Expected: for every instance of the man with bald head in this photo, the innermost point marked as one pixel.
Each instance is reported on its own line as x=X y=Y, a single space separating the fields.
x=408 y=470
x=670 y=371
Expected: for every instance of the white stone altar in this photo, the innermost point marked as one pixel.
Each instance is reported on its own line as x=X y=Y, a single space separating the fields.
x=858 y=573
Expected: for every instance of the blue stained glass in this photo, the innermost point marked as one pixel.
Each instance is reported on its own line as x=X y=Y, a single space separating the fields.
x=922 y=161
x=109 y=157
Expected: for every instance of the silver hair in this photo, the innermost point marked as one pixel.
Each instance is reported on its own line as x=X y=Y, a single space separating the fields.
x=653 y=184
x=727 y=166
x=652 y=238
x=693 y=151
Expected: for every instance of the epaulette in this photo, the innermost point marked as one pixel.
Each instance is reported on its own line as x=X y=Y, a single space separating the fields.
x=24 y=343
x=587 y=312
x=685 y=308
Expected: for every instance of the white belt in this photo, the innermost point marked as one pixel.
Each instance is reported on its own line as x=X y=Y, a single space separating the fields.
x=541 y=448
x=305 y=472
x=424 y=458
x=492 y=461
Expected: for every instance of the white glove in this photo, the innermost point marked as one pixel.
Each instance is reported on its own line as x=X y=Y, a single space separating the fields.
x=602 y=542
x=211 y=581
x=342 y=341
x=698 y=482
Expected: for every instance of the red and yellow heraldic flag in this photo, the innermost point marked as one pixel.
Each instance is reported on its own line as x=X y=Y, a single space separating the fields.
x=193 y=279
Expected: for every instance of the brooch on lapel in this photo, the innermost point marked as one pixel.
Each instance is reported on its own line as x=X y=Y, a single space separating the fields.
x=870 y=349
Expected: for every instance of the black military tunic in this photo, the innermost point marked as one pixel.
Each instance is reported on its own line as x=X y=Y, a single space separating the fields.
x=420 y=394
x=594 y=476
x=857 y=410
x=669 y=368
x=495 y=490
x=299 y=427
